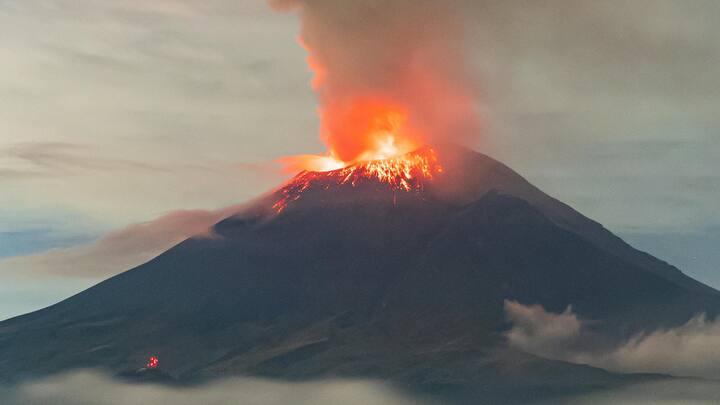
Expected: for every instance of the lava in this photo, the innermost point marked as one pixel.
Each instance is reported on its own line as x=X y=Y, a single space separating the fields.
x=407 y=173
x=153 y=363
x=375 y=125
x=366 y=129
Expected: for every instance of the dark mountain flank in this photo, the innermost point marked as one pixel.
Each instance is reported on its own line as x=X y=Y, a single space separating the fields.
x=365 y=281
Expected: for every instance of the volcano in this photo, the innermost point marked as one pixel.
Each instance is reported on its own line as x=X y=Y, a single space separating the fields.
x=354 y=274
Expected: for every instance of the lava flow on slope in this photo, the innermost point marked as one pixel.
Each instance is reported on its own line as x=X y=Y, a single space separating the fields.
x=406 y=173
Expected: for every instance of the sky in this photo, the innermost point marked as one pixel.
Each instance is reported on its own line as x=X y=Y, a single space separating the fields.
x=128 y=126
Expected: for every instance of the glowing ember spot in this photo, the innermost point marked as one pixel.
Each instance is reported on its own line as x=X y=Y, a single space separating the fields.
x=152 y=363
x=406 y=172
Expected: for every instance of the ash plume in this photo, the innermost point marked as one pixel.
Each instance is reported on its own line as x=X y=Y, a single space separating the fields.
x=400 y=55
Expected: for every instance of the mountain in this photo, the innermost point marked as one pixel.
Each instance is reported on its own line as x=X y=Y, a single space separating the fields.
x=358 y=279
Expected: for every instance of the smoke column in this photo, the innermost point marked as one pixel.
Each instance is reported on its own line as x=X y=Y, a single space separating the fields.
x=390 y=75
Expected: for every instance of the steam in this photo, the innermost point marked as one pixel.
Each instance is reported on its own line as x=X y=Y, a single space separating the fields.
x=388 y=65
x=688 y=351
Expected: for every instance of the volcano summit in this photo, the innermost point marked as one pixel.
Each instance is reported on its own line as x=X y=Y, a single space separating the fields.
x=364 y=272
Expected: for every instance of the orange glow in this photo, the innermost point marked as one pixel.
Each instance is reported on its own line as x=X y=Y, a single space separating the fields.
x=408 y=172
x=369 y=135
x=355 y=129
x=364 y=130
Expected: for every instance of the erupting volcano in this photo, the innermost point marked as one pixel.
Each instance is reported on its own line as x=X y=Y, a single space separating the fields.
x=404 y=173
x=370 y=139
x=381 y=106
x=390 y=257
x=393 y=269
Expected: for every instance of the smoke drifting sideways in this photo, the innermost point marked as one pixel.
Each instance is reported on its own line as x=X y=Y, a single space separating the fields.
x=391 y=75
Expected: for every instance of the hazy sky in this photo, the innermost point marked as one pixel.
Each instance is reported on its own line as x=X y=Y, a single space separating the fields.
x=118 y=112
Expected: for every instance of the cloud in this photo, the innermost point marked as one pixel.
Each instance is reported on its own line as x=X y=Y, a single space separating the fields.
x=34 y=281
x=689 y=350
x=51 y=159
x=25 y=242
x=119 y=250
x=669 y=392
x=608 y=105
x=146 y=103
x=59 y=158
x=539 y=332
x=88 y=387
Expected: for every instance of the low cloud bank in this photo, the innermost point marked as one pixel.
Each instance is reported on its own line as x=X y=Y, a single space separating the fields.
x=689 y=350
x=119 y=250
x=674 y=392
x=88 y=387
x=34 y=281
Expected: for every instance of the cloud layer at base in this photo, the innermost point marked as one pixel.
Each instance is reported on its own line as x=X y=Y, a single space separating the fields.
x=91 y=387
x=88 y=387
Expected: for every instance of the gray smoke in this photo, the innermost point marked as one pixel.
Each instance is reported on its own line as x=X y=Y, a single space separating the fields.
x=410 y=53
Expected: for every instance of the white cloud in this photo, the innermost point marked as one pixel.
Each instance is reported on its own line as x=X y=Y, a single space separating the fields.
x=669 y=392
x=31 y=282
x=689 y=350
x=87 y=387
x=537 y=331
x=119 y=250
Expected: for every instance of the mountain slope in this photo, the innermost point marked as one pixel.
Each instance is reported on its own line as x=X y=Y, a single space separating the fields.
x=361 y=280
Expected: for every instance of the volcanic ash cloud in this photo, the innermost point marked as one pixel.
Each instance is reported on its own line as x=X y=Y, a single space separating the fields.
x=390 y=75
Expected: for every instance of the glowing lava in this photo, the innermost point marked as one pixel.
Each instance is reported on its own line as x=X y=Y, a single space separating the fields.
x=363 y=130
x=153 y=363
x=407 y=173
x=372 y=135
